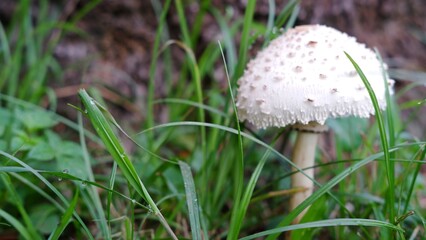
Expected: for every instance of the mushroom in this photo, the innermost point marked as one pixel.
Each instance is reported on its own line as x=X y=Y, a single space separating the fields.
x=306 y=80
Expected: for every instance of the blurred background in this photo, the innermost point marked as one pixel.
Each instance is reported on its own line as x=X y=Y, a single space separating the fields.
x=114 y=41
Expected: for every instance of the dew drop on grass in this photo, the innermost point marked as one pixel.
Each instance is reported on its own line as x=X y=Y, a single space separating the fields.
x=133 y=201
x=66 y=171
x=83 y=183
x=59 y=179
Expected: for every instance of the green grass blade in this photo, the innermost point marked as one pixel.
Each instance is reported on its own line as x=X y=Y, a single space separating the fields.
x=109 y=197
x=191 y=200
x=115 y=148
x=16 y=224
x=192 y=104
x=328 y=223
x=153 y=67
x=293 y=17
x=286 y=13
x=94 y=194
x=239 y=208
x=198 y=24
x=50 y=186
x=199 y=94
x=389 y=165
x=324 y=189
x=245 y=38
x=66 y=218
x=271 y=18
x=414 y=179
x=237 y=221
x=4 y=46
x=84 y=10
x=37 y=189
x=229 y=45
x=16 y=200
x=182 y=23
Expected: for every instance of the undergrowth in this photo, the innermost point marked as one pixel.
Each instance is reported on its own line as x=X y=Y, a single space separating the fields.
x=202 y=174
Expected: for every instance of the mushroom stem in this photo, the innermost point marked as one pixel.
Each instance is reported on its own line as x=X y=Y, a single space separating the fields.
x=303 y=157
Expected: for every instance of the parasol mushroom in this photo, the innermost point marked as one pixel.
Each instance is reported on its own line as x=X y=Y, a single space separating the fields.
x=303 y=78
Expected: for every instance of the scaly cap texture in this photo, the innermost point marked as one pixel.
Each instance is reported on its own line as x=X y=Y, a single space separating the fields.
x=304 y=76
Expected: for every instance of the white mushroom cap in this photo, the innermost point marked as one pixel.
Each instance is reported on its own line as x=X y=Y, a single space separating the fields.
x=304 y=76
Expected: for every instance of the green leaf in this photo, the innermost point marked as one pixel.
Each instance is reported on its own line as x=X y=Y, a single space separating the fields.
x=35 y=119
x=42 y=152
x=45 y=217
x=69 y=148
x=21 y=141
x=53 y=139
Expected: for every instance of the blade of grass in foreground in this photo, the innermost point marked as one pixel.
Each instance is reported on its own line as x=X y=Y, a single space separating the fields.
x=16 y=200
x=191 y=200
x=328 y=223
x=239 y=208
x=16 y=224
x=51 y=187
x=65 y=220
x=389 y=165
x=322 y=190
x=414 y=178
x=238 y=219
x=93 y=193
x=114 y=147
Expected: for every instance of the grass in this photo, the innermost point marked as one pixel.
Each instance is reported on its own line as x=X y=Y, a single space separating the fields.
x=202 y=174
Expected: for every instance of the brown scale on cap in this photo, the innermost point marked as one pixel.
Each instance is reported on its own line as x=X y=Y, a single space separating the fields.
x=298 y=69
x=312 y=44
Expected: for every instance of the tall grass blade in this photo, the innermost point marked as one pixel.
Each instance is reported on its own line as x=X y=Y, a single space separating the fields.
x=286 y=13
x=191 y=200
x=244 y=43
x=389 y=165
x=153 y=66
x=16 y=200
x=416 y=173
x=16 y=224
x=237 y=221
x=115 y=148
x=327 y=223
x=93 y=193
x=238 y=209
x=324 y=189
x=66 y=218
x=51 y=187
x=182 y=23
x=227 y=36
